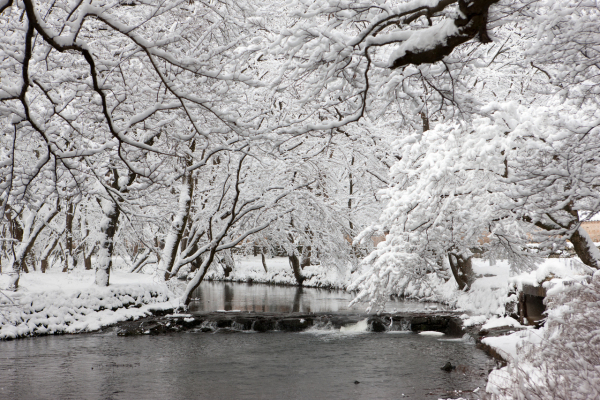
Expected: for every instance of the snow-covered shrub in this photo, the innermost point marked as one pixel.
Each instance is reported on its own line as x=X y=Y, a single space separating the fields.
x=565 y=364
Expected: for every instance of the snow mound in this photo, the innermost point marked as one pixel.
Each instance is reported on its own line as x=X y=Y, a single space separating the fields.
x=501 y=322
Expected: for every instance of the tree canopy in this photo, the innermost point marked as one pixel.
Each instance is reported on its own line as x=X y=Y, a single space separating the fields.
x=193 y=127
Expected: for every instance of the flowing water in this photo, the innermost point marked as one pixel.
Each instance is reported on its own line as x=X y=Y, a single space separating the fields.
x=321 y=363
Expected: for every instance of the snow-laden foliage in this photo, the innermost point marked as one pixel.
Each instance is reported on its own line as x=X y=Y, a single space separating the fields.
x=520 y=170
x=348 y=60
x=522 y=175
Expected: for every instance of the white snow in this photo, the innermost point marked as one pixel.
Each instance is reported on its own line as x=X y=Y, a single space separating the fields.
x=57 y=302
x=559 y=360
x=507 y=345
x=496 y=322
x=250 y=269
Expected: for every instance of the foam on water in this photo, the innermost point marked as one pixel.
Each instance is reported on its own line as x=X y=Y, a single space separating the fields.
x=358 y=328
x=431 y=333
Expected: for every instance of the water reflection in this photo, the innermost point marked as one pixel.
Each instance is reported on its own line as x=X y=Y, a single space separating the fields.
x=297 y=297
x=228 y=292
x=230 y=296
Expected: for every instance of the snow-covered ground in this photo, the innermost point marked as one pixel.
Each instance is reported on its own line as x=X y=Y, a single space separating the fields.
x=279 y=271
x=57 y=302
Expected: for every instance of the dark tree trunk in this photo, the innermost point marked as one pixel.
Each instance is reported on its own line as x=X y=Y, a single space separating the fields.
x=295 y=264
x=582 y=243
x=69 y=236
x=264 y=261
x=196 y=264
x=306 y=254
x=46 y=253
x=87 y=261
x=227 y=263
x=462 y=269
x=197 y=280
x=583 y=249
x=108 y=229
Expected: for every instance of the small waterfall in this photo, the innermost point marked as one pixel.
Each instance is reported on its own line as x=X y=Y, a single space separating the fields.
x=360 y=326
x=321 y=327
x=208 y=326
x=236 y=326
x=402 y=325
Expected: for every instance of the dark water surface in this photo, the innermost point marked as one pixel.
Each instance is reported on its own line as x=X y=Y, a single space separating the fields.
x=228 y=296
x=321 y=363
x=311 y=365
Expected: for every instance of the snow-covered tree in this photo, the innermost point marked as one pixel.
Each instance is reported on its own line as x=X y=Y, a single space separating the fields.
x=105 y=98
x=514 y=175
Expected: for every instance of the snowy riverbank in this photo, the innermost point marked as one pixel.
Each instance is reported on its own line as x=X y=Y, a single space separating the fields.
x=279 y=272
x=57 y=302
x=486 y=298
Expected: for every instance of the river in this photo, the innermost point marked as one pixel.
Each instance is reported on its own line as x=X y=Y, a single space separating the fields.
x=320 y=363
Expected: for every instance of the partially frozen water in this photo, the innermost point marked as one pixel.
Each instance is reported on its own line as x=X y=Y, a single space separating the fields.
x=275 y=365
x=215 y=296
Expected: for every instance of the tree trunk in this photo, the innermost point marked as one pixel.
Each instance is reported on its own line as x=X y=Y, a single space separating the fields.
x=306 y=254
x=462 y=269
x=264 y=261
x=29 y=261
x=295 y=264
x=199 y=277
x=180 y=220
x=197 y=263
x=87 y=256
x=177 y=226
x=30 y=235
x=140 y=261
x=108 y=228
x=585 y=249
x=228 y=263
x=87 y=262
x=69 y=216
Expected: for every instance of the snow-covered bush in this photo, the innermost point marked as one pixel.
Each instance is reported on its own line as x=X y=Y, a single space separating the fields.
x=565 y=363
